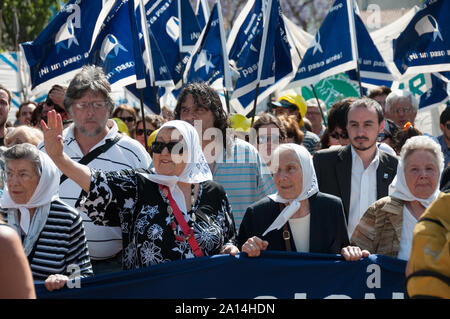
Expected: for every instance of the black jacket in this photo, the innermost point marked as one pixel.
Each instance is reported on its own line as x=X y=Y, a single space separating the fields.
x=328 y=229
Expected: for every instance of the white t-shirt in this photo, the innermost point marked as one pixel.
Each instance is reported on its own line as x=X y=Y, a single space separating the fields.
x=300 y=232
x=409 y=222
x=103 y=241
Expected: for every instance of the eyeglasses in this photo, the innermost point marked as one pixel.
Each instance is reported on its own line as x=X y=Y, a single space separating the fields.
x=158 y=147
x=128 y=119
x=97 y=105
x=405 y=110
x=336 y=135
x=264 y=138
x=140 y=131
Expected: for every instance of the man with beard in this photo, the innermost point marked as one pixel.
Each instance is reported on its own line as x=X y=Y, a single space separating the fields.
x=91 y=136
x=359 y=173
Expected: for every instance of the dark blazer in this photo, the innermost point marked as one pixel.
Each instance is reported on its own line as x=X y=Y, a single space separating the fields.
x=328 y=230
x=333 y=169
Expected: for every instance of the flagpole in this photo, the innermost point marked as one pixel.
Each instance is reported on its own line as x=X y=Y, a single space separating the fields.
x=261 y=59
x=226 y=66
x=351 y=18
x=312 y=86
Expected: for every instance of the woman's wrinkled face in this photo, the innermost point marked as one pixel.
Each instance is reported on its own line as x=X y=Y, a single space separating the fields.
x=22 y=180
x=288 y=174
x=166 y=162
x=421 y=173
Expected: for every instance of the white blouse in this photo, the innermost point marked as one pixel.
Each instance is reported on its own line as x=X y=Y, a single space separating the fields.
x=300 y=232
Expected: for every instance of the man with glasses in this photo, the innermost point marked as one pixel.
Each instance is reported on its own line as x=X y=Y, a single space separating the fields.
x=88 y=101
x=359 y=173
x=444 y=139
x=401 y=107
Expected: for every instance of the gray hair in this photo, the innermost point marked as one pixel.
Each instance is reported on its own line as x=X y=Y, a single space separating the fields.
x=422 y=142
x=24 y=151
x=395 y=96
x=90 y=78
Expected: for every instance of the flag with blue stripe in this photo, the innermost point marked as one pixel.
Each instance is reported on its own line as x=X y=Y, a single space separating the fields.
x=424 y=45
x=333 y=49
x=62 y=48
x=373 y=69
x=190 y=29
x=261 y=53
x=208 y=61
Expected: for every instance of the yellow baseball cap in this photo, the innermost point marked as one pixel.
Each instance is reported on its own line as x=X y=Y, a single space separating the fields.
x=293 y=99
x=240 y=123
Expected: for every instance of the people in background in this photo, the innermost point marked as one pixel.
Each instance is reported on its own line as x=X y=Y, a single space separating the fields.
x=24 y=134
x=401 y=107
x=128 y=115
x=444 y=139
x=24 y=113
x=380 y=94
x=314 y=115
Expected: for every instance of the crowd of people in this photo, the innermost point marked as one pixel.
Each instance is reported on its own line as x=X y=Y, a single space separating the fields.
x=92 y=188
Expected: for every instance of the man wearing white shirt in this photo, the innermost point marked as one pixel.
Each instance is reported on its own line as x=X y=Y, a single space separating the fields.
x=358 y=173
x=89 y=103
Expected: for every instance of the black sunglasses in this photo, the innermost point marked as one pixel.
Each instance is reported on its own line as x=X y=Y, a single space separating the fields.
x=140 y=131
x=127 y=119
x=336 y=135
x=158 y=147
x=57 y=108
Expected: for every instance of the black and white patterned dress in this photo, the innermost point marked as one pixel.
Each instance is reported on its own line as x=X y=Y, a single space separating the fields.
x=126 y=198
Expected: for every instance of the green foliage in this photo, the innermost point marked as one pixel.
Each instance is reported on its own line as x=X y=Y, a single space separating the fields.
x=32 y=17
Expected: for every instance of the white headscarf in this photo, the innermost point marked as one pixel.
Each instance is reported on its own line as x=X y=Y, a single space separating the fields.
x=197 y=169
x=309 y=185
x=46 y=191
x=399 y=189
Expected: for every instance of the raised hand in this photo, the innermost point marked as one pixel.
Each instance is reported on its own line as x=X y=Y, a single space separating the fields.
x=53 y=139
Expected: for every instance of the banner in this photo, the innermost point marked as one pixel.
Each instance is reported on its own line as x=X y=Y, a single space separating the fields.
x=424 y=46
x=282 y=275
x=62 y=47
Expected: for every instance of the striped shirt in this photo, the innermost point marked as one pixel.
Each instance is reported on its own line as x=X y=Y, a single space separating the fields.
x=61 y=247
x=104 y=242
x=244 y=176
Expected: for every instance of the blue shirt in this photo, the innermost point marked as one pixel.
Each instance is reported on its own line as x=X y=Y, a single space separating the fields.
x=445 y=150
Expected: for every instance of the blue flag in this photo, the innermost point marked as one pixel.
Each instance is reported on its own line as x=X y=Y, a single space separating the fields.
x=202 y=13
x=189 y=28
x=113 y=48
x=333 y=49
x=373 y=69
x=262 y=56
x=209 y=60
x=62 y=48
x=436 y=95
x=424 y=45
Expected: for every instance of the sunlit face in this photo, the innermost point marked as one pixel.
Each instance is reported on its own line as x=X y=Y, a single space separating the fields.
x=90 y=121
x=22 y=180
x=167 y=163
x=315 y=117
x=288 y=175
x=128 y=119
x=4 y=107
x=402 y=112
x=140 y=134
x=190 y=112
x=26 y=113
x=421 y=173
x=363 y=127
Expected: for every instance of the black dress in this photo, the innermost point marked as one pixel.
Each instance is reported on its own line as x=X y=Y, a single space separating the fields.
x=328 y=229
x=127 y=199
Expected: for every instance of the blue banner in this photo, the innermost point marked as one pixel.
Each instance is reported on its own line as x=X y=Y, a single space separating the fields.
x=283 y=275
x=190 y=29
x=424 y=45
x=436 y=95
x=62 y=47
x=333 y=49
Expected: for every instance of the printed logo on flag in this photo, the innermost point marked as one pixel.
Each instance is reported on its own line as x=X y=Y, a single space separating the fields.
x=316 y=44
x=66 y=34
x=204 y=60
x=110 y=48
x=428 y=24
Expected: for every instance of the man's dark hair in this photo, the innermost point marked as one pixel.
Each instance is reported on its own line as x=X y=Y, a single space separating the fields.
x=367 y=103
x=445 y=115
x=337 y=115
x=205 y=96
x=7 y=92
x=381 y=90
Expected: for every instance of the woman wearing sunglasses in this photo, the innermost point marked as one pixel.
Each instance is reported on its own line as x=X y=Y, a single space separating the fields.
x=171 y=212
x=152 y=123
x=128 y=115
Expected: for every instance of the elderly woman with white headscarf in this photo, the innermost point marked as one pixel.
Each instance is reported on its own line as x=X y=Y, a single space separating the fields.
x=52 y=232
x=387 y=226
x=171 y=212
x=298 y=217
